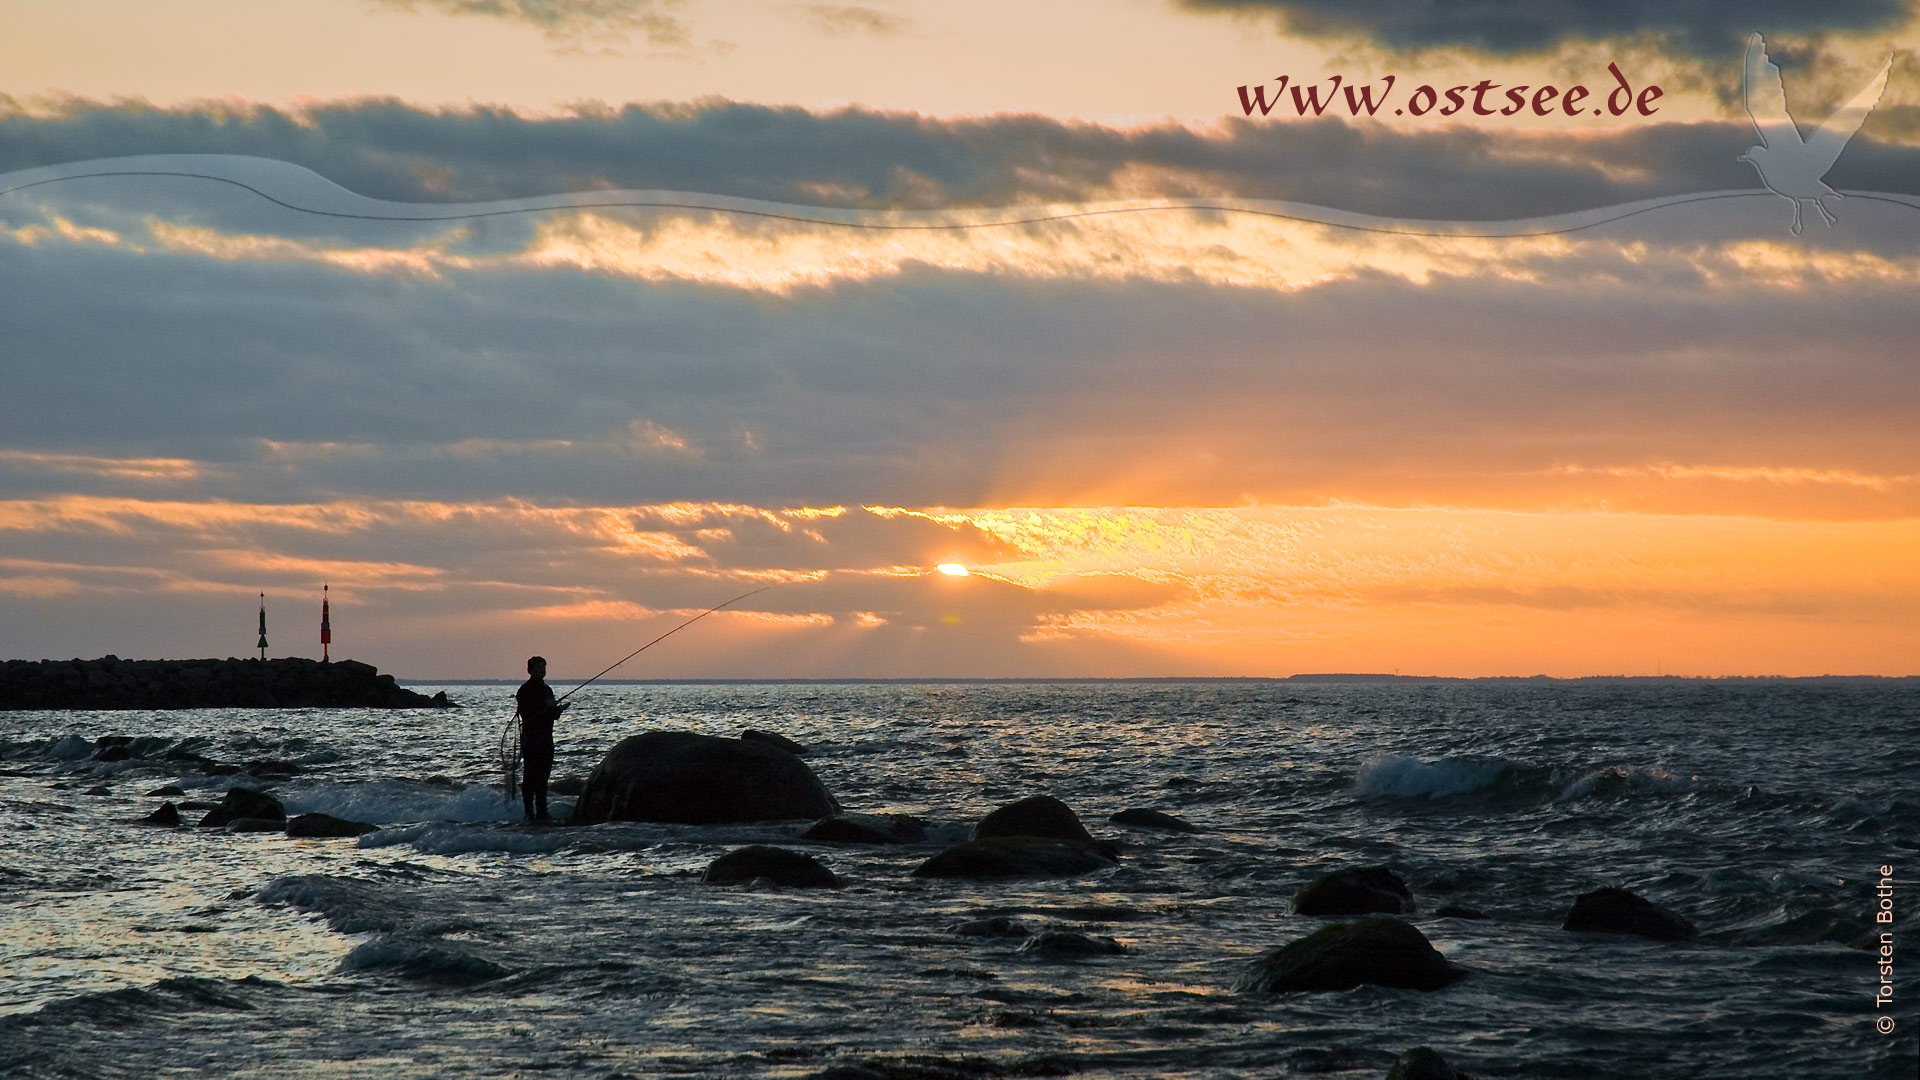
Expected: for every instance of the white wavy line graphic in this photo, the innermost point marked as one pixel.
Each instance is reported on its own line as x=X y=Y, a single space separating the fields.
x=298 y=188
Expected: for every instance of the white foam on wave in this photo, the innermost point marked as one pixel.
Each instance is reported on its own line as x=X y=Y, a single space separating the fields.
x=459 y=838
x=385 y=802
x=1410 y=777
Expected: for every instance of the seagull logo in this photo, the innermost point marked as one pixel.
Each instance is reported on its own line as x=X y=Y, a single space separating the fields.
x=1790 y=166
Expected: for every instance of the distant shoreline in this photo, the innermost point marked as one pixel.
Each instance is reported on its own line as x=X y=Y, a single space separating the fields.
x=1356 y=679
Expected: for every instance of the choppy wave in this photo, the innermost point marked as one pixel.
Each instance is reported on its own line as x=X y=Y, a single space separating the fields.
x=384 y=802
x=463 y=839
x=349 y=905
x=596 y=951
x=426 y=961
x=1409 y=777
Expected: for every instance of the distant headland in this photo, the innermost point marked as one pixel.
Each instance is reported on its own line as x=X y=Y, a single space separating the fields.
x=286 y=683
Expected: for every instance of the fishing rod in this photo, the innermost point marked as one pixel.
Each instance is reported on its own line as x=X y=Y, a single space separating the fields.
x=509 y=735
x=664 y=637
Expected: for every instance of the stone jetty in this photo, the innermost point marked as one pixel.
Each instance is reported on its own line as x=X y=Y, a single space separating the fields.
x=287 y=683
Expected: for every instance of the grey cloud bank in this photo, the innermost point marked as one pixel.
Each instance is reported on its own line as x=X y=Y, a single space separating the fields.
x=862 y=158
x=1705 y=28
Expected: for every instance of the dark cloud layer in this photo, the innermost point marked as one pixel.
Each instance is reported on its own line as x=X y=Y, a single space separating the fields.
x=569 y=19
x=1704 y=28
x=868 y=159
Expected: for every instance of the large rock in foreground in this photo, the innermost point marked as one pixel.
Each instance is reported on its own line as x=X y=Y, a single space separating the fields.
x=1617 y=911
x=688 y=779
x=1382 y=951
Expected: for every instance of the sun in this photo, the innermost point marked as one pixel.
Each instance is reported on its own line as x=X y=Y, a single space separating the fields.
x=953 y=569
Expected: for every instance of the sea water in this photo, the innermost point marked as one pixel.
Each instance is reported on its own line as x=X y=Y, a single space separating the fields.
x=457 y=942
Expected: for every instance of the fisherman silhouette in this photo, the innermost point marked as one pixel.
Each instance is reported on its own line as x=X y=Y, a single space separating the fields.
x=1790 y=166
x=538 y=711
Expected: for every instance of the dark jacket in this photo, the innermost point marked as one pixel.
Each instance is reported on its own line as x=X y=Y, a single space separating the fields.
x=538 y=710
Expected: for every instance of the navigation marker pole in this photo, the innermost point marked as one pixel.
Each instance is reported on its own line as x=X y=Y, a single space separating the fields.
x=326 y=627
x=263 y=626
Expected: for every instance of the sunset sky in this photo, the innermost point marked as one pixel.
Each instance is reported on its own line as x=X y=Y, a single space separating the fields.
x=1016 y=287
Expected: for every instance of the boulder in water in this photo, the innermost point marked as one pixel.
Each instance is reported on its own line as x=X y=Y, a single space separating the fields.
x=1617 y=911
x=1366 y=890
x=1014 y=857
x=326 y=826
x=168 y=816
x=1141 y=818
x=245 y=803
x=1040 y=815
x=1380 y=950
x=783 y=867
x=689 y=779
x=867 y=829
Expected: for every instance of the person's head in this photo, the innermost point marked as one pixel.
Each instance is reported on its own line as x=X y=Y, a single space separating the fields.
x=537 y=666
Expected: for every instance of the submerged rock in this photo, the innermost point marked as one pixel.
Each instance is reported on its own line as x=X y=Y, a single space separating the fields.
x=782 y=867
x=1141 y=818
x=1040 y=815
x=867 y=829
x=1617 y=911
x=689 y=779
x=994 y=926
x=1422 y=1063
x=1067 y=943
x=326 y=826
x=246 y=803
x=255 y=824
x=1014 y=857
x=1379 y=950
x=1366 y=890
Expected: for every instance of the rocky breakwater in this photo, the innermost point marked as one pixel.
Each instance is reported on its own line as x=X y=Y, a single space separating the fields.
x=288 y=683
